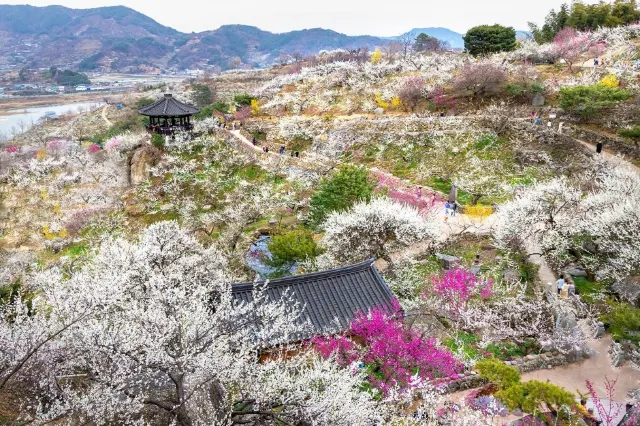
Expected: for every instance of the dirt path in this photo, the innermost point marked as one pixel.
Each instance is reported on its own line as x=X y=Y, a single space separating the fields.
x=609 y=156
x=104 y=115
x=572 y=377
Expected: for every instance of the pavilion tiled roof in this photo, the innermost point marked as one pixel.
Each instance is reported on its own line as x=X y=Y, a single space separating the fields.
x=168 y=106
x=329 y=299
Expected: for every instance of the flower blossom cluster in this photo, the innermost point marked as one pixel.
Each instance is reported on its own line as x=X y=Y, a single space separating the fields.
x=399 y=358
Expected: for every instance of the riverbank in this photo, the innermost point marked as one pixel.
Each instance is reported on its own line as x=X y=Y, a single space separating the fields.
x=14 y=104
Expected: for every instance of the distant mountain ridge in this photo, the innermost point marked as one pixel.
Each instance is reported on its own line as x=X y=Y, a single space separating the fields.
x=119 y=38
x=453 y=38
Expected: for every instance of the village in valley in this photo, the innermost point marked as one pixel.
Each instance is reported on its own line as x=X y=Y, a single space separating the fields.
x=413 y=234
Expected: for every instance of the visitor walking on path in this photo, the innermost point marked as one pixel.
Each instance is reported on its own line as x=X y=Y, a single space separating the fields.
x=281 y=149
x=419 y=192
x=447 y=206
x=560 y=283
x=454 y=208
x=595 y=61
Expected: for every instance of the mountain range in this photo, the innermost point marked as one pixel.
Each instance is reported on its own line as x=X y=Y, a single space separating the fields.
x=119 y=38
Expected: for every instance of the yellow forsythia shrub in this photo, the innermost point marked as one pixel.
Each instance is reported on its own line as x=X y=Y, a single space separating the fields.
x=255 y=107
x=396 y=102
x=381 y=102
x=478 y=211
x=376 y=57
x=41 y=154
x=610 y=81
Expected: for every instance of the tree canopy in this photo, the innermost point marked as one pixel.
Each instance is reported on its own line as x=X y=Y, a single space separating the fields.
x=586 y=17
x=486 y=39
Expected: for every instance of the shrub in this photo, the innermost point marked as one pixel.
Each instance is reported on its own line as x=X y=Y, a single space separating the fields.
x=487 y=39
x=480 y=79
x=587 y=101
x=143 y=102
x=201 y=95
x=346 y=187
x=534 y=396
x=498 y=373
x=624 y=322
x=222 y=107
x=157 y=140
x=610 y=81
x=376 y=56
x=632 y=133
x=243 y=100
x=412 y=91
x=292 y=247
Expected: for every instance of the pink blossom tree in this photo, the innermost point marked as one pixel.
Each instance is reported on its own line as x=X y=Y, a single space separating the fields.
x=455 y=288
x=608 y=410
x=93 y=148
x=569 y=45
x=243 y=113
x=398 y=358
x=412 y=91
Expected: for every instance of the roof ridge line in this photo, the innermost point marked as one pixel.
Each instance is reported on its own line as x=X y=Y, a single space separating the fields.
x=283 y=281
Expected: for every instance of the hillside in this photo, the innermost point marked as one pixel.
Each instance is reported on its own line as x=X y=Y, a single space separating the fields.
x=505 y=245
x=119 y=38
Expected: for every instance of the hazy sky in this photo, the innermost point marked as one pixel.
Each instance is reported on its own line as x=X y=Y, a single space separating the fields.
x=353 y=17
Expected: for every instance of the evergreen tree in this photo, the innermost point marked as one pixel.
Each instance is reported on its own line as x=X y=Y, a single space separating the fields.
x=487 y=39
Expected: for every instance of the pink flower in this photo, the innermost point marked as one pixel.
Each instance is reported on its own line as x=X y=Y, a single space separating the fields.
x=93 y=148
x=113 y=143
x=12 y=149
x=398 y=356
x=456 y=287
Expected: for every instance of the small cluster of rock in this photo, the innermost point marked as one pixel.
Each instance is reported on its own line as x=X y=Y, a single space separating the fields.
x=547 y=360
x=616 y=352
x=628 y=289
x=467 y=380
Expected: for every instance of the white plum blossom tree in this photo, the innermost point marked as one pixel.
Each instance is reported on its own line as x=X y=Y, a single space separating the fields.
x=595 y=220
x=148 y=332
x=375 y=229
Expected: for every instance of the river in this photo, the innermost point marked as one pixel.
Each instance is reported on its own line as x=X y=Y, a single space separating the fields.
x=9 y=124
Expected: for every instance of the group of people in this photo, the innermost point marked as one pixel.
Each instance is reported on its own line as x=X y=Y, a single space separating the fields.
x=565 y=288
x=450 y=209
x=281 y=151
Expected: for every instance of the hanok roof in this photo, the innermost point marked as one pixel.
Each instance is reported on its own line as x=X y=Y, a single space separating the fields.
x=330 y=299
x=168 y=106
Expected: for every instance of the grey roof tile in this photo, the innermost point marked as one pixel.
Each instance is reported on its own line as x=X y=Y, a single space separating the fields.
x=168 y=106
x=328 y=296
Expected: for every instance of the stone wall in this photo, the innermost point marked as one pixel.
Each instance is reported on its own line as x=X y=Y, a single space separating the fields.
x=612 y=143
x=544 y=361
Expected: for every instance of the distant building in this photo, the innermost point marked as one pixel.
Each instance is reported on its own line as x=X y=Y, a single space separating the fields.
x=168 y=115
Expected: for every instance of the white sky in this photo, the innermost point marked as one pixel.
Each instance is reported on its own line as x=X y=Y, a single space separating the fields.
x=352 y=17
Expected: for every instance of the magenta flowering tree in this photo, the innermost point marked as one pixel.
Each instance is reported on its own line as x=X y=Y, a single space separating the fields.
x=440 y=99
x=397 y=357
x=609 y=410
x=93 y=148
x=456 y=287
x=12 y=149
